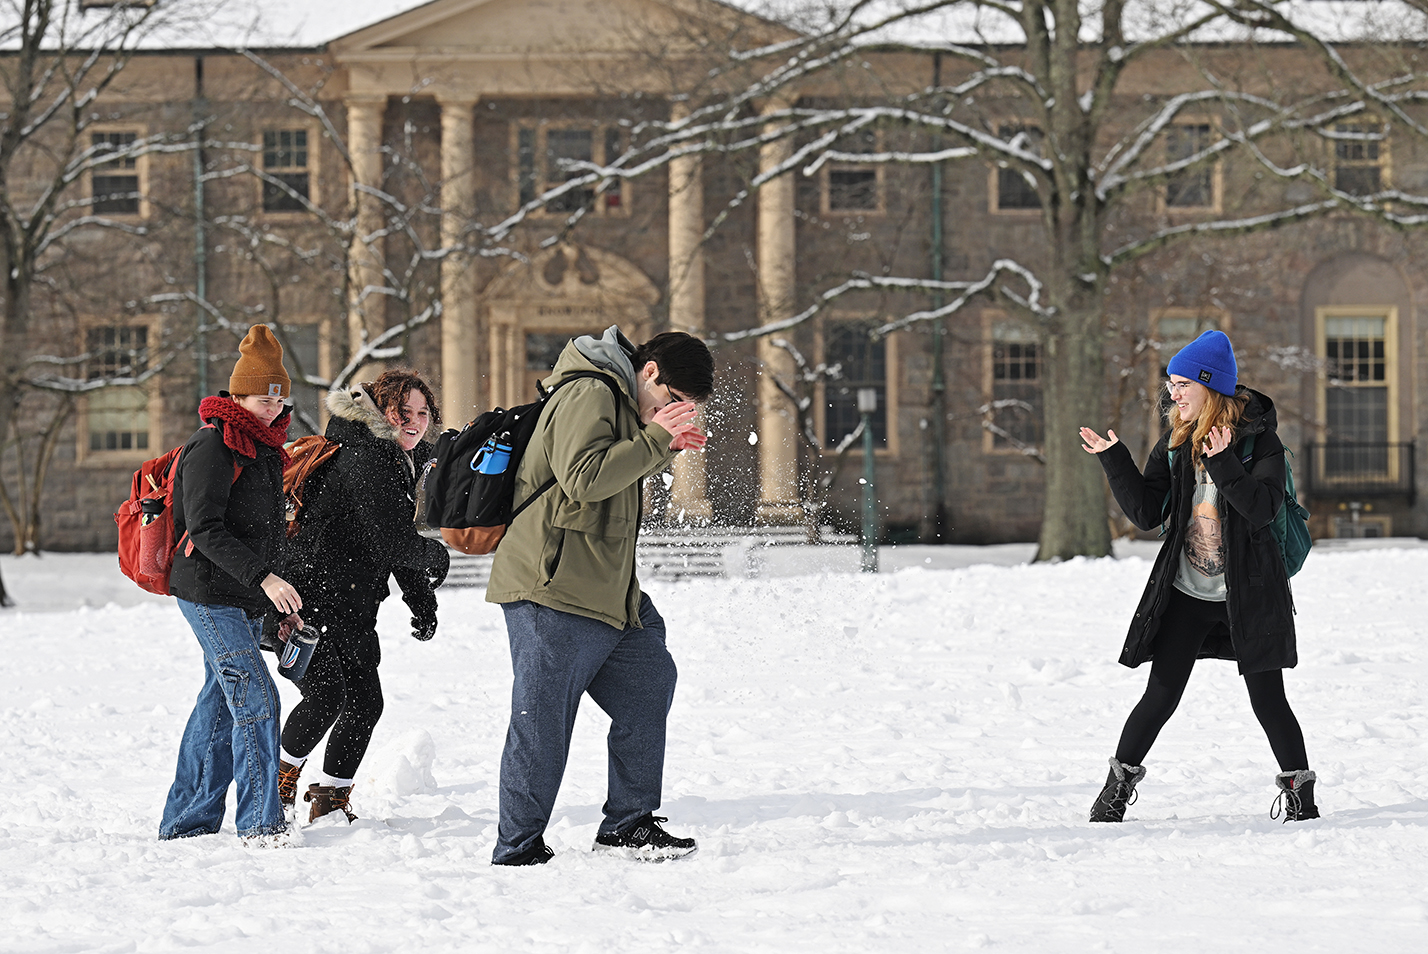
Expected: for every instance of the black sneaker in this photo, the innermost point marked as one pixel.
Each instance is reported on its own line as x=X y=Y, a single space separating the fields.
x=645 y=840
x=537 y=854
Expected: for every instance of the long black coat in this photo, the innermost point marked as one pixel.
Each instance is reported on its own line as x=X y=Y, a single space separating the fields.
x=1257 y=597
x=237 y=526
x=357 y=527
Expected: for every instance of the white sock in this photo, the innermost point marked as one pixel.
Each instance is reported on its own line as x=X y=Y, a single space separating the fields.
x=334 y=781
x=291 y=759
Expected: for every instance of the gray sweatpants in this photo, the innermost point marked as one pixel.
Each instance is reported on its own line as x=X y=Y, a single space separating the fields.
x=556 y=658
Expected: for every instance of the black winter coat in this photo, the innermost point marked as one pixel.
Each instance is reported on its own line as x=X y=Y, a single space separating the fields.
x=237 y=527
x=357 y=525
x=1257 y=597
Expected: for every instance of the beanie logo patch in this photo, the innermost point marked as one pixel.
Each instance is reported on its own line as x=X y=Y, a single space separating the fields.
x=276 y=390
x=1205 y=375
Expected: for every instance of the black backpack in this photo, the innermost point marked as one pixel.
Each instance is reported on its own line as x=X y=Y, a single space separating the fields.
x=471 y=486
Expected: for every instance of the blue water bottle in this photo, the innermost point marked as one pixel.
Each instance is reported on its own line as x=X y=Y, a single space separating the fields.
x=297 y=653
x=493 y=457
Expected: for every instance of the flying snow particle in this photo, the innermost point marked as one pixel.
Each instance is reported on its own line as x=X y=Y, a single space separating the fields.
x=753 y=438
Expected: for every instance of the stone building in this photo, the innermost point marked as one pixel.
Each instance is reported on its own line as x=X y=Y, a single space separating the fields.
x=461 y=111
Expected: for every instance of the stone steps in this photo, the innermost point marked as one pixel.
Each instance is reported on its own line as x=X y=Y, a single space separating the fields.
x=679 y=553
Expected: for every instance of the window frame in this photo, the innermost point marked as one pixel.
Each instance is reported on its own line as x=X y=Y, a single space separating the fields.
x=992 y=319
x=599 y=147
x=141 y=170
x=314 y=196
x=994 y=190
x=1215 y=170
x=891 y=386
x=879 y=169
x=1383 y=162
x=120 y=457
x=1390 y=369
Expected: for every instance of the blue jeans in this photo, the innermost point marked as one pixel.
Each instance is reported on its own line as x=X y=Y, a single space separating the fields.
x=556 y=658
x=232 y=735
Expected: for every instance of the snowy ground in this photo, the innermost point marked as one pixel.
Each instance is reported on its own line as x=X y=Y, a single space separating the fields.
x=890 y=763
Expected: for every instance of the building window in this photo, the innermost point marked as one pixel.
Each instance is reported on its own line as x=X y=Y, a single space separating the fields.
x=1191 y=188
x=1013 y=417
x=117 y=416
x=1014 y=191
x=850 y=186
x=863 y=363
x=1360 y=158
x=286 y=167
x=544 y=155
x=114 y=184
x=1357 y=397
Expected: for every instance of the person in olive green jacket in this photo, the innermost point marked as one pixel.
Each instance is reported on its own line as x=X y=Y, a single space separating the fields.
x=565 y=576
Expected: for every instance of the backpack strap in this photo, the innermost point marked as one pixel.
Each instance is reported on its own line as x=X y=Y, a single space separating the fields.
x=546 y=396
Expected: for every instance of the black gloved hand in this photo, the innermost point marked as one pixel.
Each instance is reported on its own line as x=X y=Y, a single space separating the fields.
x=424 y=627
x=423 y=606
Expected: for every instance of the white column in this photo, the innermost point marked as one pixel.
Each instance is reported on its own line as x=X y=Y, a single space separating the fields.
x=459 y=342
x=366 y=314
x=778 y=424
x=688 y=502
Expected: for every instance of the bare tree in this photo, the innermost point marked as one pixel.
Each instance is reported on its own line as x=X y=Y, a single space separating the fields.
x=57 y=58
x=1052 y=93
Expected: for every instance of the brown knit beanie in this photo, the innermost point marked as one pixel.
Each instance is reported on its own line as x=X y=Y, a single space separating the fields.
x=260 y=366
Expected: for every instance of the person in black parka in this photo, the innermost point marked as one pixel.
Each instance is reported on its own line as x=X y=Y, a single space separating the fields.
x=357 y=529
x=229 y=531
x=1219 y=587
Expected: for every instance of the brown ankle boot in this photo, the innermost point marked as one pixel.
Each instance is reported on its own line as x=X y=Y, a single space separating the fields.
x=327 y=799
x=287 y=783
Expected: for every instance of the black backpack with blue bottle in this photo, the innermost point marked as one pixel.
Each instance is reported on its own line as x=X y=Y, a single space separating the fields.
x=470 y=487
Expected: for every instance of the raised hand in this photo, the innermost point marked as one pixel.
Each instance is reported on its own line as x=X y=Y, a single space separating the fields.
x=1217 y=440
x=678 y=419
x=1093 y=443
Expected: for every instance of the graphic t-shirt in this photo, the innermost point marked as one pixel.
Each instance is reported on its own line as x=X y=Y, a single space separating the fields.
x=1201 y=573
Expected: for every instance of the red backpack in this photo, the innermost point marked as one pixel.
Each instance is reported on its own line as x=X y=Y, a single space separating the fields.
x=146 y=523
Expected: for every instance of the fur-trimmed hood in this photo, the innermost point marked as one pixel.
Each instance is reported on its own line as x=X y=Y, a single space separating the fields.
x=356 y=405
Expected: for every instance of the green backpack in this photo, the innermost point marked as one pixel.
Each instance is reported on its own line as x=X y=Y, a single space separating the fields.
x=1291 y=522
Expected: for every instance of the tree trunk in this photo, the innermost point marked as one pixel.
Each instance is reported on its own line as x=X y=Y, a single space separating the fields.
x=1074 y=522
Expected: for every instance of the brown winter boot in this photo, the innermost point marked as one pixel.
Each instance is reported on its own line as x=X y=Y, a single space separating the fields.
x=287 y=784
x=327 y=799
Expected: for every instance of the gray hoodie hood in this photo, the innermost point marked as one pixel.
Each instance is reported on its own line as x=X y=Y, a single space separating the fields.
x=611 y=352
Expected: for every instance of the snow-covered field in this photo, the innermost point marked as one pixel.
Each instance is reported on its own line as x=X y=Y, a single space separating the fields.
x=890 y=763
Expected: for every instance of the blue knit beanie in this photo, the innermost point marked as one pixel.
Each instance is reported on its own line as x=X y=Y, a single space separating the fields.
x=1209 y=359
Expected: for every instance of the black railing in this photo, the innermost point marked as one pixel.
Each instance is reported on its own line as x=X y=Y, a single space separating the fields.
x=1358 y=468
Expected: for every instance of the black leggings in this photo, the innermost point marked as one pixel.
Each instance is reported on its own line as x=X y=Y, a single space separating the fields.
x=1183 y=629
x=341 y=691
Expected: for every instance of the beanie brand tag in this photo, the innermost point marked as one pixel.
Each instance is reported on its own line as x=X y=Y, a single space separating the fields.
x=1205 y=375
x=276 y=390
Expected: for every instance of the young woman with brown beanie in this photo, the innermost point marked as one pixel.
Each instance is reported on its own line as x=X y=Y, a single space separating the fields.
x=229 y=519
x=357 y=530
x=1219 y=587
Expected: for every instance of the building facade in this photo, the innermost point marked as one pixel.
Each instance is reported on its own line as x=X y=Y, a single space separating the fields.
x=368 y=185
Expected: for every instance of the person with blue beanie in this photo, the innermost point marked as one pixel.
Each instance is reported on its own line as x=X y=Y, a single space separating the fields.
x=1219 y=588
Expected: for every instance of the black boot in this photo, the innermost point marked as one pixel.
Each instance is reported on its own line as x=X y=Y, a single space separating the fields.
x=1296 y=796
x=1110 y=805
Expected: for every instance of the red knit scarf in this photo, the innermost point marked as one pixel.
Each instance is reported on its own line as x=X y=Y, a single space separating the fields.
x=242 y=431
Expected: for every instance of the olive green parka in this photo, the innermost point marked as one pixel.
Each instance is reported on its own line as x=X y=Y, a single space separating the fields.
x=574 y=548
